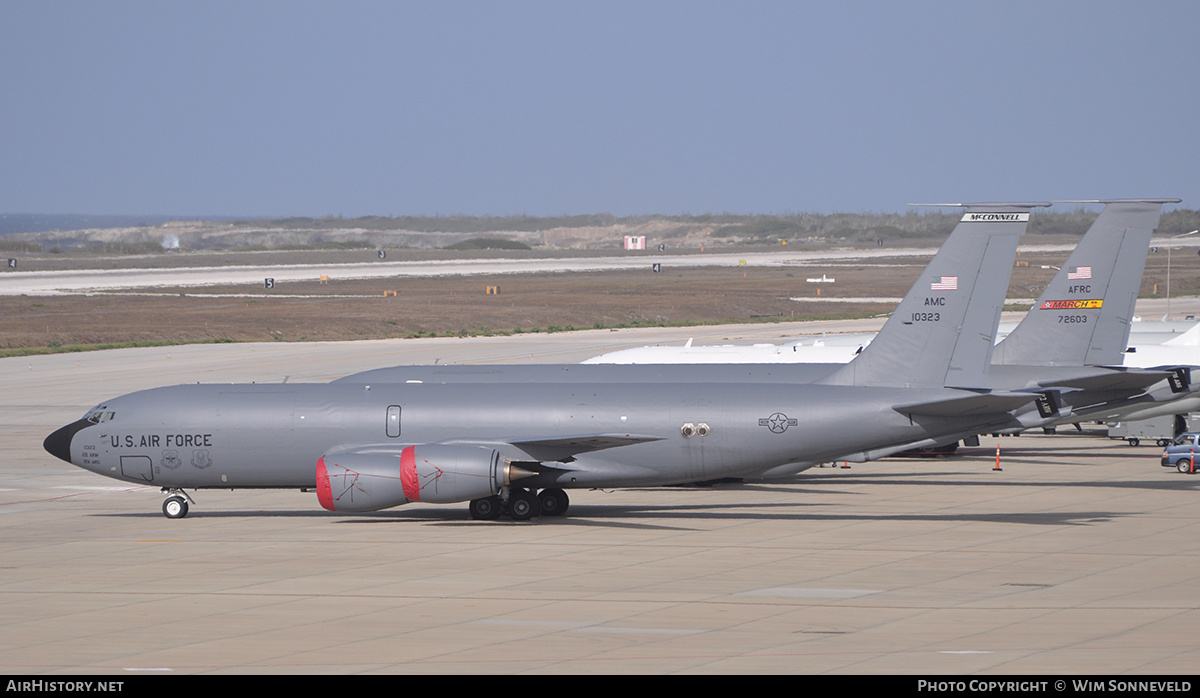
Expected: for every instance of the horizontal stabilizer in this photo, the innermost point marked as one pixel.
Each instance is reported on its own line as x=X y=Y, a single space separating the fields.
x=969 y=404
x=1117 y=379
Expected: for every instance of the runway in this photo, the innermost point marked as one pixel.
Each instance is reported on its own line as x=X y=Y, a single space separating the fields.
x=41 y=283
x=1080 y=556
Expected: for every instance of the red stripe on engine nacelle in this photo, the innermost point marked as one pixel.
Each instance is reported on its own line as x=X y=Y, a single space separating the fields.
x=324 y=491
x=408 y=474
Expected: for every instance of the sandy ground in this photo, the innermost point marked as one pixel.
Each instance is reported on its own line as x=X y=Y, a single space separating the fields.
x=302 y=308
x=305 y=310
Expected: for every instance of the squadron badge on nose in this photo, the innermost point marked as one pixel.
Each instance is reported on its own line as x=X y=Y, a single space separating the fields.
x=200 y=459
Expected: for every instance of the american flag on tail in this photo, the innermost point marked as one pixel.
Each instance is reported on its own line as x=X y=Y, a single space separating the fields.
x=944 y=283
x=1075 y=273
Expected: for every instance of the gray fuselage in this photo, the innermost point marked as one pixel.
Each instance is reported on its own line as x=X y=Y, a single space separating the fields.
x=230 y=436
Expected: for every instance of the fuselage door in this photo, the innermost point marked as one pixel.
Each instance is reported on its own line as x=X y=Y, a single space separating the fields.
x=393 y=421
x=137 y=468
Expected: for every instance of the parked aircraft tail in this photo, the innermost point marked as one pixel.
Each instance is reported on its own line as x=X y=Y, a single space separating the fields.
x=943 y=332
x=1083 y=316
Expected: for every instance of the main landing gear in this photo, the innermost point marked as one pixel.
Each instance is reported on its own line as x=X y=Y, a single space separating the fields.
x=176 y=506
x=521 y=504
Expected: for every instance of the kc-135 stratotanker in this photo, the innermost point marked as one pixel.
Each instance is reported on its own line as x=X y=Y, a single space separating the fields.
x=513 y=447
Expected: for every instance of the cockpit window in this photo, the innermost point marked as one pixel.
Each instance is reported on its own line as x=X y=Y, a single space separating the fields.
x=99 y=416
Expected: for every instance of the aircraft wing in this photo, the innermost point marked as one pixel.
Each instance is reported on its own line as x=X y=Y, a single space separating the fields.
x=996 y=402
x=562 y=448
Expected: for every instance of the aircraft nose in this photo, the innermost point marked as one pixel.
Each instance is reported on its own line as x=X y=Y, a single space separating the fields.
x=58 y=444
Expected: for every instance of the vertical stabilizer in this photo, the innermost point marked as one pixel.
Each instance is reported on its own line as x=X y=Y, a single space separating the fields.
x=943 y=332
x=1083 y=316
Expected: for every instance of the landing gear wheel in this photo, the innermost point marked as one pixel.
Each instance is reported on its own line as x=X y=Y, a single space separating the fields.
x=522 y=505
x=486 y=509
x=1134 y=441
x=1184 y=466
x=553 y=501
x=175 y=507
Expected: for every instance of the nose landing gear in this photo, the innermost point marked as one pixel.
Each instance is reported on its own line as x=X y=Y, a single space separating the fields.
x=176 y=506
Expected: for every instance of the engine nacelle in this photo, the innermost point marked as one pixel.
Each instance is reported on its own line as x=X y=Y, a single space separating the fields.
x=371 y=481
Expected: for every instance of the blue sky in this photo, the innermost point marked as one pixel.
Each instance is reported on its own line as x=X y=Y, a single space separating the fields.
x=545 y=108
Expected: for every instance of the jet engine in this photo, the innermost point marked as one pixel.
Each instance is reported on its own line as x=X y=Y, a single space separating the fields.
x=368 y=481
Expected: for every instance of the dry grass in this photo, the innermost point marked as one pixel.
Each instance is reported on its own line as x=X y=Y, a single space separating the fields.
x=459 y=305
